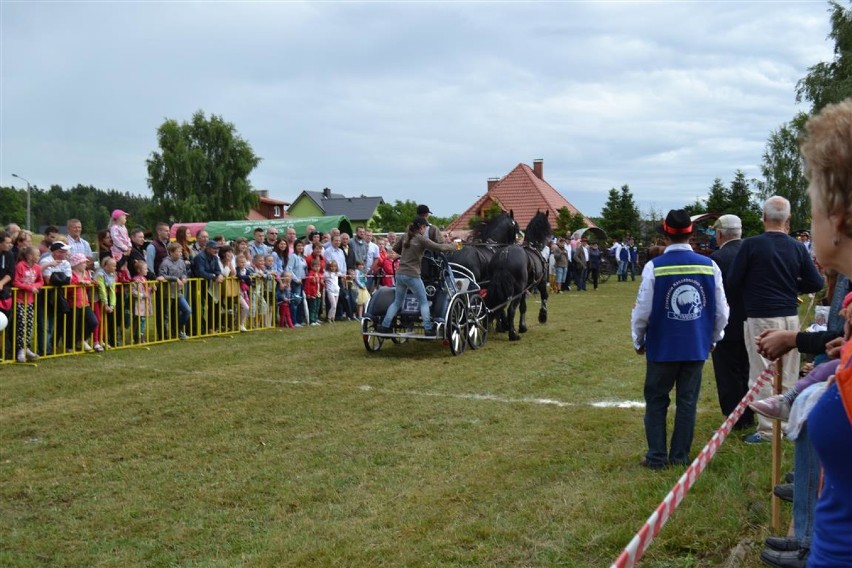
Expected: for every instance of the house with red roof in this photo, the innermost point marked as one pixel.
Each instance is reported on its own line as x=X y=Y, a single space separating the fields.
x=524 y=192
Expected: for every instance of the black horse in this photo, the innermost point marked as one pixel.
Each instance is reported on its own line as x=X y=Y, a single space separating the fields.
x=485 y=240
x=517 y=269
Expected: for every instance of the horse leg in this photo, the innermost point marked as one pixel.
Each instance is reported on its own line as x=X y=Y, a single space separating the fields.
x=500 y=321
x=542 y=312
x=522 y=320
x=510 y=317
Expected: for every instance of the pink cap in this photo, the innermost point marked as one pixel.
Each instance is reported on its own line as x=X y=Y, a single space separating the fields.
x=118 y=213
x=78 y=258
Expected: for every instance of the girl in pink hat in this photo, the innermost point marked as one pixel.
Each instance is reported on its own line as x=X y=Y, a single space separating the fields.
x=121 y=243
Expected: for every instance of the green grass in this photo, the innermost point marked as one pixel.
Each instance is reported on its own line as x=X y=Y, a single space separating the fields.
x=300 y=448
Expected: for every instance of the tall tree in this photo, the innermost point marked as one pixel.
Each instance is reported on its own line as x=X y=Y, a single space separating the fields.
x=831 y=82
x=201 y=171
x=396 y=216
x=620 y=214
x=782 y=171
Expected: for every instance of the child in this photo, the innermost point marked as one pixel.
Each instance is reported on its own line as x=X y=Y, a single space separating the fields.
x=121 y=243
x=105 y=303
x=245 y=275
x=81 y=321
x=283 y=297
x=28 y=281
x=313 y=287
x=332 y=289
x=230 y=286
x=264 y=291
x=363 y=295
x=142 y=305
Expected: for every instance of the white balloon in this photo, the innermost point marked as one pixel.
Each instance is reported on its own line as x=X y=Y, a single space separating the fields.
x=4 y=321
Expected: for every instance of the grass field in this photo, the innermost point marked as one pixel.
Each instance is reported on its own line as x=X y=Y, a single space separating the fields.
x=299 y=448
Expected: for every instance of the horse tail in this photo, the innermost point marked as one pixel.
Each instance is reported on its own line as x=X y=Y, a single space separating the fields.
x=501 y=287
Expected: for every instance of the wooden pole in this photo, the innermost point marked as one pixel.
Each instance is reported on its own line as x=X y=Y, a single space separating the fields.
x=776 y=454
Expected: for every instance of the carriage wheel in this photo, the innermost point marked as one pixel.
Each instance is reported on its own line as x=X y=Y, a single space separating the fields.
x=477 y=322
x=606 y=271
x=372 y=342
x=456 y=330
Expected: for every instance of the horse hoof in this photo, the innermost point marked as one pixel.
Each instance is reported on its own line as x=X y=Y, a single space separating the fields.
x=522 y=329
x=542 y=317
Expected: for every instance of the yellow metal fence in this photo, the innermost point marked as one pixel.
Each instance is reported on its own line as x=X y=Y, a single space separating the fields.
x=58 y=323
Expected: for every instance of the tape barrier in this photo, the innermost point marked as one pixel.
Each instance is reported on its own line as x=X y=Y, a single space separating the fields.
x=633 y=552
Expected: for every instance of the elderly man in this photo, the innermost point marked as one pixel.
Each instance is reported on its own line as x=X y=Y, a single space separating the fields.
x=77 y=243
x=730 y=358
x=201 y=239
x=291 y=239
x=769 y=272
x=207 y=267
x=359 y=245
x=680 y=313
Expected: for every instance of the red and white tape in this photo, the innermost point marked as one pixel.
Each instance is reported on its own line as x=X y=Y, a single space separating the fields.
x=633 y=552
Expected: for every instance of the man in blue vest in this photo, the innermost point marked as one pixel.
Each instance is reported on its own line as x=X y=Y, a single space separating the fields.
x=680 y=313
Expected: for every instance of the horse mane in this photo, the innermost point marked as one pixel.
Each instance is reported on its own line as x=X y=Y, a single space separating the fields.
x=484 y=229
x=538 y=230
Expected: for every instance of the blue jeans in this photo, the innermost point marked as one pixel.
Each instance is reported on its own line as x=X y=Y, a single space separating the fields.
x=415 y=284
x=296 y=302
x=580 y=275
x=660 y=378
x=184 y=311
x=560 y=274
x=805 y=487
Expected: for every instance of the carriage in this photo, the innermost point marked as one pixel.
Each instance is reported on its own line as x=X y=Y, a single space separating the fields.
x=457 y=309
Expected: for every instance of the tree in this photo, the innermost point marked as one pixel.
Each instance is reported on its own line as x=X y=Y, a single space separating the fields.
x=620 y=214
x=782 y=171
x=396 y=217
x=567 y=222
x=201 y=172
x=831 y=82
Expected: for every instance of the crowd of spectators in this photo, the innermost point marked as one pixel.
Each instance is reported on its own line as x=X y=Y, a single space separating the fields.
x=65 y=296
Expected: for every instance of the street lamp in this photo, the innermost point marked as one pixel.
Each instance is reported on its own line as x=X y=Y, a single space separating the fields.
x=29 y=227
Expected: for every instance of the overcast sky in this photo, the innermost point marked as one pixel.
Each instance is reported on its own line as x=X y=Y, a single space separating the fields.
x=421 y=101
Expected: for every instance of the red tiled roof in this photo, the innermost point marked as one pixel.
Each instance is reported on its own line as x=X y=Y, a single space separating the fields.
x=522 y=192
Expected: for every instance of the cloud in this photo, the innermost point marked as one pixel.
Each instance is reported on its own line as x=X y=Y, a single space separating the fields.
x=420 y=101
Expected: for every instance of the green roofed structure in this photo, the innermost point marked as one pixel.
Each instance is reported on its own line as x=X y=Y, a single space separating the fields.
x=233 y=229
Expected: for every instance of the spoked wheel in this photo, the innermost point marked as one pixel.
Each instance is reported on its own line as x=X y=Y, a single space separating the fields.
x=372 y=342
x=457 y=325
x=606 y=271
x=477 y=322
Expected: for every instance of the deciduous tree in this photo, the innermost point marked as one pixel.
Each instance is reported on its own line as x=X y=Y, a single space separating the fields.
x=201 y=171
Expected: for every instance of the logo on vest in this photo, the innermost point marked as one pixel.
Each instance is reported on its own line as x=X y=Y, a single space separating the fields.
x=685 y=300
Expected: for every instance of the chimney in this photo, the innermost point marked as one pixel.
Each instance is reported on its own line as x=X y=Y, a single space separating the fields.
x=262 y=192
x=326 y=193
x=492 y=182
x=538 y=168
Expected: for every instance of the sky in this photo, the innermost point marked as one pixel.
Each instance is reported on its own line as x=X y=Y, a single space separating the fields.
x=420 y=101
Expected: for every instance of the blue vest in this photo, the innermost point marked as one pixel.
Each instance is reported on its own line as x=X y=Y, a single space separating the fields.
x=684 y=309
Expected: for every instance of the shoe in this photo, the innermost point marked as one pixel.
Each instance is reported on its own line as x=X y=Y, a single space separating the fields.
x=789 y=476
x=31 y=356
x=755 y=438
x=243 y=328
x=430 y=332
x=182 y=336
x=87 y=348
x=784 y=491
x=775 y=407
x=22 y=356
x=783 y=544
x=383 y=329
x=791 y=559
x=655 y=466
x=315 y=323
x=298 y=325
x=99 y=348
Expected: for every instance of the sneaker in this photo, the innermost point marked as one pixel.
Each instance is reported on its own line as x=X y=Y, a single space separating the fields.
x=31 y=356
x=243 y=328
x=86 y=347
x=99 y=348
x=298 y=325
x=22 y=356
x=756 y=438
x=430 y=332
x=182 y=336
x=315 y=323
x=775 y=407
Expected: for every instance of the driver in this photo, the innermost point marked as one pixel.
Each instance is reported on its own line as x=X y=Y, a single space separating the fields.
x=411 y=248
